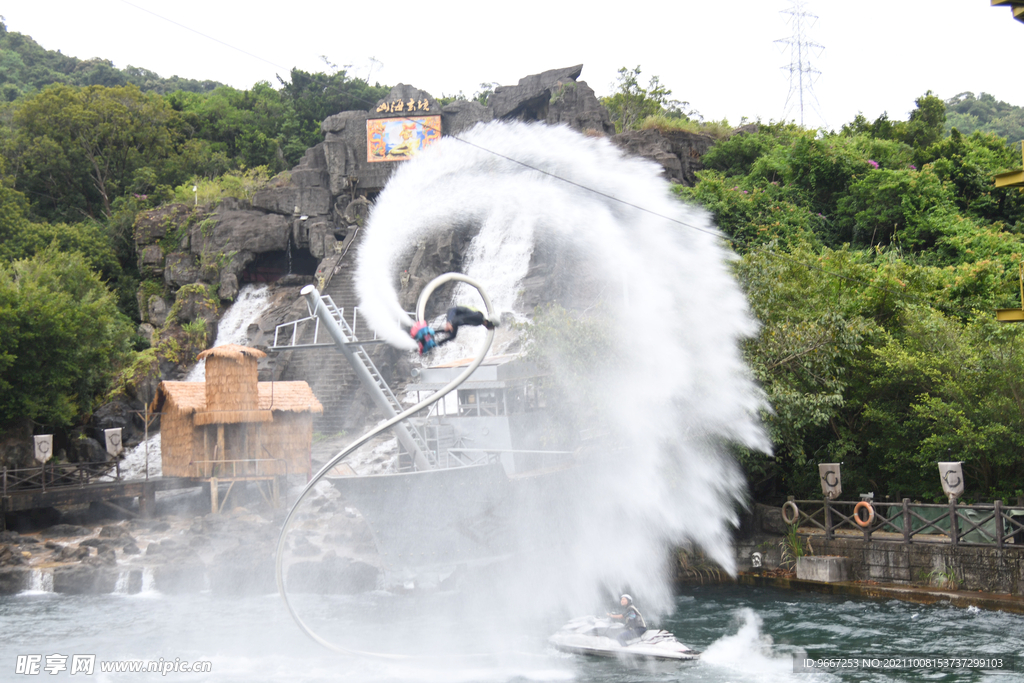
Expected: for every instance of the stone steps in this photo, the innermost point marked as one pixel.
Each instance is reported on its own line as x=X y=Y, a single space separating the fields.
x=347 y=404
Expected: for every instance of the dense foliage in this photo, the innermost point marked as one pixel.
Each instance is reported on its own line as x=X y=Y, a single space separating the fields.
x=968 y=113
x=85 y=147
x=874 y=258
x=63 y=340
x=26 y=67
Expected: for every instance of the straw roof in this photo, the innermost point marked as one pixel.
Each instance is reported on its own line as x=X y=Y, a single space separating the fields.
x=294 y=397
x=190 y=397
x=232 y=351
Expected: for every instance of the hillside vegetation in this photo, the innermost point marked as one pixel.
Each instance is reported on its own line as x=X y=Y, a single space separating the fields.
x=874 y=256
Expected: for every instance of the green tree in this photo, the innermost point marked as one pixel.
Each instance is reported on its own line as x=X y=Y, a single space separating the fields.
x=905 y=206
x=632 y=103
x=77 y=149
x=814 y=327
x=924 y=127
x=312 y=97
x=26 y=67
x=950 y=390
x=228 y=128
x=985 y=113
x=63 y=340
x=754 y=212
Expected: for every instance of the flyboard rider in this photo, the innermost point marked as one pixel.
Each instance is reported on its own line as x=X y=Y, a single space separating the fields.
x=457 y=316
x=631 y=618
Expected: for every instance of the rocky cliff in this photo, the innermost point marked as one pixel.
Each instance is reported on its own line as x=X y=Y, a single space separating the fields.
x=304 y=227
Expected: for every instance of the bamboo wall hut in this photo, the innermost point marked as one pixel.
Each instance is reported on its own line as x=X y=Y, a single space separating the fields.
x=233 y=426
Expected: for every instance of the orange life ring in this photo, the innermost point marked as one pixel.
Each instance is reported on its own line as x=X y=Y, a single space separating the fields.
x=856 y=514
x=796 y=512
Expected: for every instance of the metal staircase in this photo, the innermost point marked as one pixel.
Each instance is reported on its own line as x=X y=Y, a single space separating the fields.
x=371 y=368
x=324 y=310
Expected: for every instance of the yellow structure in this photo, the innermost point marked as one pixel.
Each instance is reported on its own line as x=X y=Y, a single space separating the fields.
x=1016 y=5
x=231 y=427
x=1013 y=179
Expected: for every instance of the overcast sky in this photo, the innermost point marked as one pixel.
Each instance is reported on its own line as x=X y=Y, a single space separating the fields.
x=721 y=56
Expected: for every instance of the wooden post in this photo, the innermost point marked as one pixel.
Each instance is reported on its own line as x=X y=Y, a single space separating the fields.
x=906 y=521
x=828 y=519
x=207 y=452
x=999 y=523
x=214 y=506
x=954 y=530
x=147 y=500
x=221 y=453
x=5 y=482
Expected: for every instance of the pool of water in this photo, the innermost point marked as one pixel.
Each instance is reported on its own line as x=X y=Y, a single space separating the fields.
x=746 y=634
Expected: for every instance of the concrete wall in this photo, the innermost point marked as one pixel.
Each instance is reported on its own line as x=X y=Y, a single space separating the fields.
x=976 y=568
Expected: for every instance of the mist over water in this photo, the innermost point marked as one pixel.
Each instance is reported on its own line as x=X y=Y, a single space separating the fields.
x=748 y=635
x=675 y=392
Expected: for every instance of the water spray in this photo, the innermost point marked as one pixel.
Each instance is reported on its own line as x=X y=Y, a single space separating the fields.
x=421 y=306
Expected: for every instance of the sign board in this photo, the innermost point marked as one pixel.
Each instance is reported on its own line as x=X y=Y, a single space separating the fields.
x=952 y=476
x=831 y=482
x=44 y=447
x=395 y=139
x=114 y=445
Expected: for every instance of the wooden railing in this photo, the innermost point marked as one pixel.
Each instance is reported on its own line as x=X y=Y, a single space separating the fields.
x=238 y=469
x=992 y=524
x=54 y=475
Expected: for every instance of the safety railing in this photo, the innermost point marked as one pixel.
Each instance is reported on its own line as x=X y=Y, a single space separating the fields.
x=295 y=334
x=59 y=475
x=990 y=524
x=238 y=469
x=522 y=460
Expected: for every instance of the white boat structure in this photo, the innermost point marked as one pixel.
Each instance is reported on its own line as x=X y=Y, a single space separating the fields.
x=598 y=636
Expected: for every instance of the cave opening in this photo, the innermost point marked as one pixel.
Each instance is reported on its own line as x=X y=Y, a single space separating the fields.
x=271 y=266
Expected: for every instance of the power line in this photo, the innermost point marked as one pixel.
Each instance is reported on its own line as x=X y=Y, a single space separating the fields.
x=802 y=65
x=208 y=37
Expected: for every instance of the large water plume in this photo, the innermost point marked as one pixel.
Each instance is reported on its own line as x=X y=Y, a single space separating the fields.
x=675 y=391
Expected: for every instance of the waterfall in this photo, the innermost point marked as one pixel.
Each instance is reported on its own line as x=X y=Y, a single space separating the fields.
x=233 y=327
x=671 y=389
x=40 y=581
x=148 y=581
x=134 y=464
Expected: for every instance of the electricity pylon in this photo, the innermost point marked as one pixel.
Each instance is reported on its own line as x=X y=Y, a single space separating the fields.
x=802 y=73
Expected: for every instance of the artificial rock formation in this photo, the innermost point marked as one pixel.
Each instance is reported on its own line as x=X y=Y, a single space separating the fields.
x=315 y=213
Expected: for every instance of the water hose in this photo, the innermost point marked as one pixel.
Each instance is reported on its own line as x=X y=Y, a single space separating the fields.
x=421 y=306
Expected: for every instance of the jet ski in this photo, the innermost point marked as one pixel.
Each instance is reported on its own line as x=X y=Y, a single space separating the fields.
x=597 y=636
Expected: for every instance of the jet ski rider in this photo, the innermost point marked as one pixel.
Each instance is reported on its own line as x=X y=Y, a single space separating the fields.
x=631 y=618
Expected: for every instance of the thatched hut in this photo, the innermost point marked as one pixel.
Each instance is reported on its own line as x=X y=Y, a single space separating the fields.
x=232 y=426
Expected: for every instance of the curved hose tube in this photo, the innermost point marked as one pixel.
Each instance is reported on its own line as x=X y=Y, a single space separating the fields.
x=421 y=306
